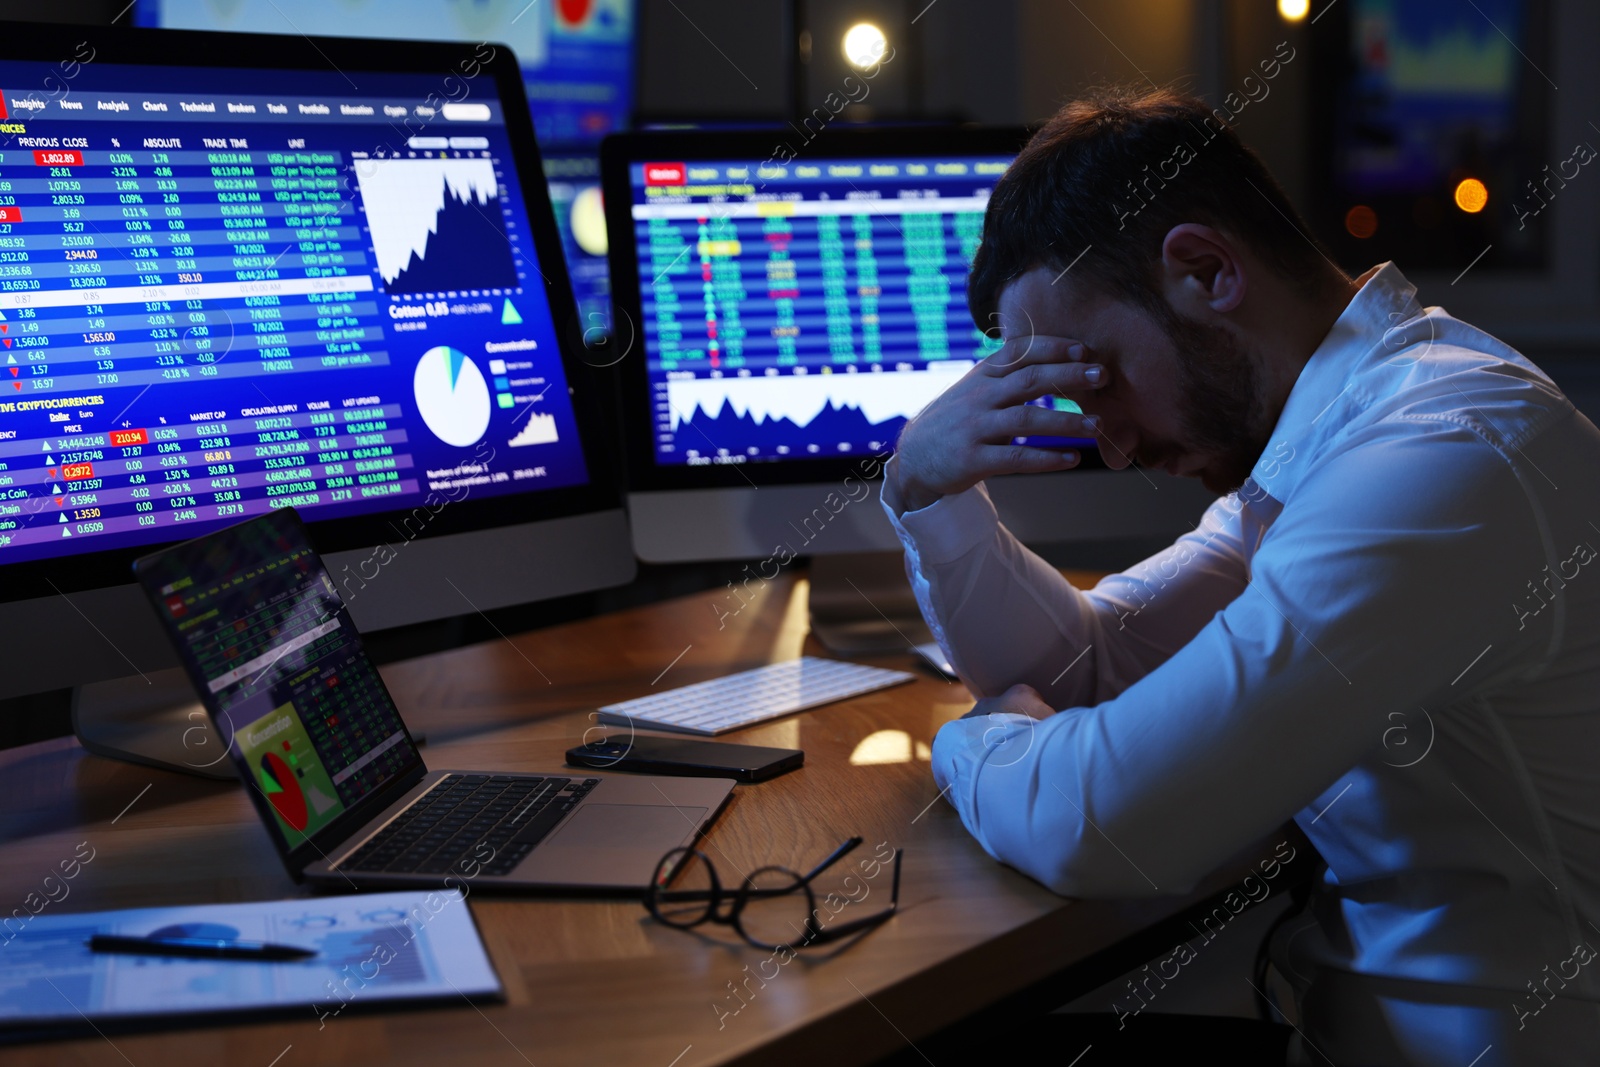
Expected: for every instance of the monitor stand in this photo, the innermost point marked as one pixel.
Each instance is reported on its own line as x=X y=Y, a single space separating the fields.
x=158 y=722
x=862 y=604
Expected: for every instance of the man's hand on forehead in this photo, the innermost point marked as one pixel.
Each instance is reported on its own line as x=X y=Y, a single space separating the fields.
x=968 y=433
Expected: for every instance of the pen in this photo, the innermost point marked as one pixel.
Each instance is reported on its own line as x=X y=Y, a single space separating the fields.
x=202 y=947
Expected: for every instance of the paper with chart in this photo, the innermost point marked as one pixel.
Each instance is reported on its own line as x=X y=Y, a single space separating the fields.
x=371 y=947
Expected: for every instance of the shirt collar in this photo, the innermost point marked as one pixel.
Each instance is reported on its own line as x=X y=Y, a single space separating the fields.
x=1371 y=327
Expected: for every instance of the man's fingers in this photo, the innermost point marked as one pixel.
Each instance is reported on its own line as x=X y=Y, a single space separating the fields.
x=968 y=432
x=1043 y=379
x=1026 y=700
x=1019 y=699
x=1031 y=349
x=1026 y=420
x=1024 y=459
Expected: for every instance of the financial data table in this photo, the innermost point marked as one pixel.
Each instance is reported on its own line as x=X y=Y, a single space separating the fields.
x=804 y=309
x=227 y=291
x=186 y=265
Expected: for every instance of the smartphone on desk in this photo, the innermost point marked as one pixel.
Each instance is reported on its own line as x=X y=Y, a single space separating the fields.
x=693 y=759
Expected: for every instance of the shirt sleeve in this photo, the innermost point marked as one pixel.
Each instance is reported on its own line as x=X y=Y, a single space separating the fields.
x=1002 y=615
x=1383 y=578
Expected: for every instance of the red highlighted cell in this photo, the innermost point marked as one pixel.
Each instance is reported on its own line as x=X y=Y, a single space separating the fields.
x=126 y=438
x=10 y=214
x=664 y=174
x=58 y=157
x=73 y=471
x=3 y=114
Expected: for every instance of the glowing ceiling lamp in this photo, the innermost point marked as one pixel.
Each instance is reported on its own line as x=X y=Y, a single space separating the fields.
x=864 y=45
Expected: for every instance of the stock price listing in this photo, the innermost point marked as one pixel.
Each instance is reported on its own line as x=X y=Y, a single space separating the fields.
x=805 y=309
x=218 y=301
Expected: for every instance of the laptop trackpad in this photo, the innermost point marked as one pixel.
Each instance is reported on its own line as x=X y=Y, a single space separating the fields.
x=627 y=826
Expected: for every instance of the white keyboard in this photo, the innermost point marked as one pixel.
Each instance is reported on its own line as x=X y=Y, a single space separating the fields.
x=749 y=697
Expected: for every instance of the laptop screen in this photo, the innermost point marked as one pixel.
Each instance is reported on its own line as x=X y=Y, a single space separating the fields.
x=224 y=291
x=261 y=628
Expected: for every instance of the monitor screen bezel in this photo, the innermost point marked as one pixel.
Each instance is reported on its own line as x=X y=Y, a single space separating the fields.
x=619 y=152
x=453 y=64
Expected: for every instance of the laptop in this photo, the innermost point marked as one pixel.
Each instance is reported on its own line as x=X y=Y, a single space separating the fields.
x=264 y=636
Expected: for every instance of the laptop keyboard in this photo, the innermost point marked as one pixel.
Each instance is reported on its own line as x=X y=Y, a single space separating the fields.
x=441 y=832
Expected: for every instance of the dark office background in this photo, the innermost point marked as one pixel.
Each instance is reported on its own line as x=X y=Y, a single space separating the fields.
x=1015 y=61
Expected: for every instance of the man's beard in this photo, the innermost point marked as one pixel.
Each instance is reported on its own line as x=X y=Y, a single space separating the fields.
x=1223 y=414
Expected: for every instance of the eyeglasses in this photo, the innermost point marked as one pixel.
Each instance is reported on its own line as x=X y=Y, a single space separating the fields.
x=766 y=908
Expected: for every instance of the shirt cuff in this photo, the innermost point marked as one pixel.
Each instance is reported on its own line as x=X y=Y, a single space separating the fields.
x=946 y=529
x=947 y=765
x=966 y=747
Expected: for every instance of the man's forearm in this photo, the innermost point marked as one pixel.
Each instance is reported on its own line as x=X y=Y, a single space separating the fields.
x=1002 y=614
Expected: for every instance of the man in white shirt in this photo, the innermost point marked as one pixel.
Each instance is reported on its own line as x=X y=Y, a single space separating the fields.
x=1387 y=628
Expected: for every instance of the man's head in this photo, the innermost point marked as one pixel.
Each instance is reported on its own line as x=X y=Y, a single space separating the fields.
x=1141 y=226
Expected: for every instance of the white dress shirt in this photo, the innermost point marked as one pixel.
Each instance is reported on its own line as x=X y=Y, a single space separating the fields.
x=1390 y=633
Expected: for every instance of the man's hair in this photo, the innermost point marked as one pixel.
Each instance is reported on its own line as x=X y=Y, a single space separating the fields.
x=1108 y=177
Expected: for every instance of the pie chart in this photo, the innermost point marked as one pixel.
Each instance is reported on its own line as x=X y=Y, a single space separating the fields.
x=452 y=396
x=278 y=782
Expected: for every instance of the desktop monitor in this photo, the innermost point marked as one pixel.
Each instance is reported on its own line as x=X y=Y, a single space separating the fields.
x=242 y=272
x=1433 y=143
x=791 y=304
x=791 y=298
x=578 y=65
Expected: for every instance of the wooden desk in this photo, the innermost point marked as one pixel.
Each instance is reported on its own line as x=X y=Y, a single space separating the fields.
x=597 y=982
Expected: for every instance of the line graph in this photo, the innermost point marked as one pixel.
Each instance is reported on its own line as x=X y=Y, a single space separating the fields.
x=436 y=224
x=801 y=398
x=801 y=412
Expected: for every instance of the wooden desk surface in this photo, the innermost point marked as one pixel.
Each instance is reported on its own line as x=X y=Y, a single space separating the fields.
x=592 y=981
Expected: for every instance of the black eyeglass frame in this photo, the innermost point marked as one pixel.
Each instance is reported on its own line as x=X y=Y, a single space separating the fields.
x=656 y=894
